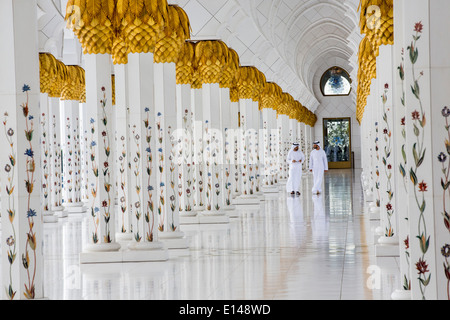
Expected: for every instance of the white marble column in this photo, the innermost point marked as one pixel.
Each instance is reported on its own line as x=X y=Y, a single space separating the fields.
x=228 y=134
x=166 y=157
x=427 y=74
x=186 y=155
x=401 y=180
x=144 y=160
x=258 y=164
x=388 y=241
x=235 y=142
x=269 y=132
x=246 y=155
x=55 y=151
x=213 y=154
x=198 y=162
x=283 y=126
x=71 y=158
x=124 y=173
x=47 y=213
x=102 y=245
x=22 y=228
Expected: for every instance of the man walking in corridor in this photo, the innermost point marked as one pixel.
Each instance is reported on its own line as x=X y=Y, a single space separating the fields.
x=318 y=164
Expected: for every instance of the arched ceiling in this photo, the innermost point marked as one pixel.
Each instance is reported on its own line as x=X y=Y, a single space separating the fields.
x=290 y=41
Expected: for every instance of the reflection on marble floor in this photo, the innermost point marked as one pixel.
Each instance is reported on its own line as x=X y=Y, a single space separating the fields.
x=309 y=247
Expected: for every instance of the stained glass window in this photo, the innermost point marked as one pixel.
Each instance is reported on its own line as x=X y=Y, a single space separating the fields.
x=335 y=82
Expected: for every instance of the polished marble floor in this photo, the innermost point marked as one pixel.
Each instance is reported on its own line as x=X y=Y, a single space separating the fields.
x=304 y=248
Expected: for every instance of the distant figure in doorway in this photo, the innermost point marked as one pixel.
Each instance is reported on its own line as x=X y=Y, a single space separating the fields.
x=295 y=159
x=318 y=164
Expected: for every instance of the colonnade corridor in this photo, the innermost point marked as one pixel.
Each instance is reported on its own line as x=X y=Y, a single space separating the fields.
x=307 y=247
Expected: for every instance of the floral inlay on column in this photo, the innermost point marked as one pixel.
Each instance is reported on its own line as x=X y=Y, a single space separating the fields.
x=162 y=200
x=419 y=153
x=68 y=181
x=227 y=169
x=188 y=152
x=106 y=203
x=94 y=185
x=243 y=148
x=31 y=213
x=444 y=159
x=10 y=207
x=123 y=181
x=208 y=167
x=172 y=178
x=377 y=171
x=57 y=165
x=389 y=232
x=44 y=159
x=149 y=208
x=137 y=185
x=403 y=165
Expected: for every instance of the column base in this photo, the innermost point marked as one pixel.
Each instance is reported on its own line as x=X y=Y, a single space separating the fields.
x=247 y=199
x=173 y=240
x=189 y=219
x=124 y=236
x=369 y=197
x=77 y=207
x=136 y=252
x=229 y=208
x=49 y=217
x=61 y=214
x=401 y=295
x=374 y=213
x=387 y=247
x=232 y=211
x=58 y=208
x=101 y=253
x=270 y=189
x=213 y=217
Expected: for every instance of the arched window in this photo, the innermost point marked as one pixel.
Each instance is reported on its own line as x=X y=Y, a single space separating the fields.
x=335 y=82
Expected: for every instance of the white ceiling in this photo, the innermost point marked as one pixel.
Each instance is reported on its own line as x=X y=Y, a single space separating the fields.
x=290 y=41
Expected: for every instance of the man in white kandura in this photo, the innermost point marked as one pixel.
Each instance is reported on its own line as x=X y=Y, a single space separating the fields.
x=295 y=159
x=318 y=164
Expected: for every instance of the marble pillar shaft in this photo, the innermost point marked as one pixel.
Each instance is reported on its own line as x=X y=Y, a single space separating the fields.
x=22 y=230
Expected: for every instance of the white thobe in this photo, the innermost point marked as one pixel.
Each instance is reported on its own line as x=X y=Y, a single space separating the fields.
x=295 y=170
x=318 y=163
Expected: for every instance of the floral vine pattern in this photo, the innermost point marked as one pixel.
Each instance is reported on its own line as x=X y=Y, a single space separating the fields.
x=173 y=179
x=137 y=184
x=149 y=212
x=208 y=167
x=162 y=199
x=69 y=165
x=403 y=165
x=236 y=164
x=44 y=159
x=189 y=156
x=257 y=162
x=11 y=241
x=419 y=153
x=77 y=163
x=106 y=203
x=123 y=184
x=444 y=159
x=31 y=213
x=57 y=166
x=251 y=162
x=94 y=185
x=243 y=148
x=227 y=183
x=377 y=169
x=389 y=232
x=216 y=152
